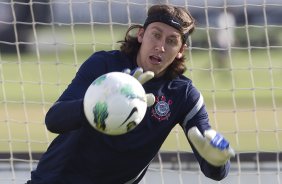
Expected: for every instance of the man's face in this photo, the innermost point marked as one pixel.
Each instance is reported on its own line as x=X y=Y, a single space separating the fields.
x=160 y=45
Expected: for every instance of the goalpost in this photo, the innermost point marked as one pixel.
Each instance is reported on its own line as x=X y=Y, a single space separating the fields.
x=234 y=59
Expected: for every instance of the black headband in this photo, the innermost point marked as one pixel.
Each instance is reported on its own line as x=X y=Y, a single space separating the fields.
x=169 y=20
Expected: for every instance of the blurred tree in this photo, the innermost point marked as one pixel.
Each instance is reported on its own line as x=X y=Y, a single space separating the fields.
x=17 y=22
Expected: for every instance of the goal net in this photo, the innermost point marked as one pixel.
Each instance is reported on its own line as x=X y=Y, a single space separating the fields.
x=234 y=59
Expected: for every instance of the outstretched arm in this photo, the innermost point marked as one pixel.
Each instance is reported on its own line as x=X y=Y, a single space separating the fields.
x=210 y=148
x=212 y=151
x=65 y=116
x=67 y=113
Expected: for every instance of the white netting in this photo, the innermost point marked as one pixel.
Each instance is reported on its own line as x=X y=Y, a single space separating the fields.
x=43 y=43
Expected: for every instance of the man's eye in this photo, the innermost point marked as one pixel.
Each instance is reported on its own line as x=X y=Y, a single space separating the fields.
x=157 y=35
x=171 y=41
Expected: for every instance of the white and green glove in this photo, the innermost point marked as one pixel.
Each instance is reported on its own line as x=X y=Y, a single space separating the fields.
x=143 y=77
x=213 y=147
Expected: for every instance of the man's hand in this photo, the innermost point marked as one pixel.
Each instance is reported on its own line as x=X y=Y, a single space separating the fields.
x=143 y=77
x=213 y=147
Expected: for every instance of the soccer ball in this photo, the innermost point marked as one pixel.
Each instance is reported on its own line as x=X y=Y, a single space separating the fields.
x=115 y=103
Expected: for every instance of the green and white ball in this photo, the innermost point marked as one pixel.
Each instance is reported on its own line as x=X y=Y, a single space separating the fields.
x=115 y=103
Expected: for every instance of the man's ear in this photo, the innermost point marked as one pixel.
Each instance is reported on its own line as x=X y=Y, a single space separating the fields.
x=181 y=51
x=140 y=34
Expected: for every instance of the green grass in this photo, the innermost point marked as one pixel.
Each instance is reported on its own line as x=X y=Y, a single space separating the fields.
x=244 y=98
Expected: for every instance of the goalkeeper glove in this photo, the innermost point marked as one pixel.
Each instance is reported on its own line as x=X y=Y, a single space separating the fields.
x=143 y=77
x=213 y=147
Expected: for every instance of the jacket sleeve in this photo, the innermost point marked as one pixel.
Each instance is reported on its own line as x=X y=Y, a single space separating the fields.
x=65 y=116
x=67 y=113
x=198 y=116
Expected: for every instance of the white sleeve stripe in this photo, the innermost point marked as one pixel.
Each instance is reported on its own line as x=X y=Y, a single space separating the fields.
x=134 y=179
x=194 y=111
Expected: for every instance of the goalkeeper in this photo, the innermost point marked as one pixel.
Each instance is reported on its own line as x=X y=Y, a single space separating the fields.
x=81 y=154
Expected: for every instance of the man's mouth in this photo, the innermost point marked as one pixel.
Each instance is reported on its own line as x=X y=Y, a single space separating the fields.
x=155 y=59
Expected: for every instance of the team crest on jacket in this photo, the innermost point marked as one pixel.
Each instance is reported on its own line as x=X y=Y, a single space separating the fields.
x=161 y=110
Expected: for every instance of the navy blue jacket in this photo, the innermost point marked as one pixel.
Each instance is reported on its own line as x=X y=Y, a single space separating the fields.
x=80 y=154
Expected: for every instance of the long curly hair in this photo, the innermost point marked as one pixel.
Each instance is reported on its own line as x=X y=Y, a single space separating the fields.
x=131 y=46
